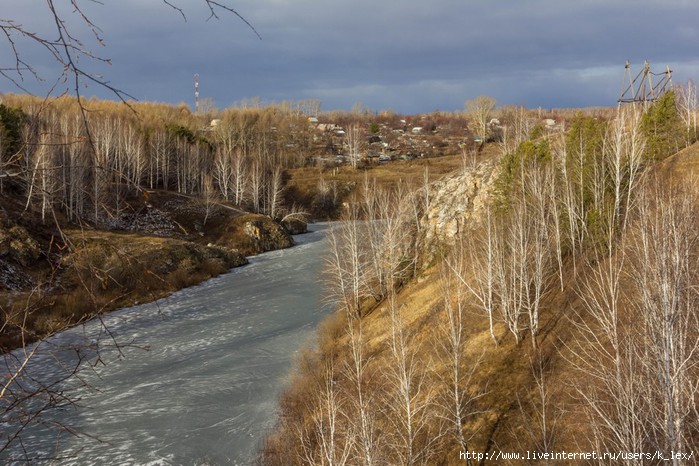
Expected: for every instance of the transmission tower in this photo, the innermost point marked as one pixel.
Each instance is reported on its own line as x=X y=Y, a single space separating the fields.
x=196 y=93
x=641 y=89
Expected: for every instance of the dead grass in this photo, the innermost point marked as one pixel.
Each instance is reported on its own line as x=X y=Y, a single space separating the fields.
x=303 y=182
x=108 y=270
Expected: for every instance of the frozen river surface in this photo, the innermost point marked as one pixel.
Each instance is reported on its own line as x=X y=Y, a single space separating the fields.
x=205 y=391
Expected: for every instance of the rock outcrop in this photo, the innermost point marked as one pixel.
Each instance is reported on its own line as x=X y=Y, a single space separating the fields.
x=455 y=202
x=17 y=245
x=294 y=226
x=267 y=234
x=18 y=250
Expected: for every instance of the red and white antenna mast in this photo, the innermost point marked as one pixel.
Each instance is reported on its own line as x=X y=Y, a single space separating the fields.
x=196 y=93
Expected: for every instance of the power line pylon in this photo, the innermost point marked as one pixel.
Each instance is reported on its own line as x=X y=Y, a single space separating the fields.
x=641 y=89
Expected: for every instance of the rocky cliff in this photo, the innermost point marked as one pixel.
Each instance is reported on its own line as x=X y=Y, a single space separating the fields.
x=454 y=201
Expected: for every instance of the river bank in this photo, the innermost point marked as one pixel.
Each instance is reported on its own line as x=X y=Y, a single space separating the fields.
x=55 y=275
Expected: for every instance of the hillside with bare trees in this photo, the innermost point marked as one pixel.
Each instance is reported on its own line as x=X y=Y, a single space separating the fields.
x=556 y=312
x=517 y=285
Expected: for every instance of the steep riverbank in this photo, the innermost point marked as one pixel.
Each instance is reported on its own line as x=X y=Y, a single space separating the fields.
x=54 y=274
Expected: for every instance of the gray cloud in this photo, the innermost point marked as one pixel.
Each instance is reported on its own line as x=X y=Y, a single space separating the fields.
x=408 y=55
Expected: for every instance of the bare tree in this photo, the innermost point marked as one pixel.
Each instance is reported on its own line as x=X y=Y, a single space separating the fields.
x=325 y=440
x=411 y=397
x=70 y=44
x=540 y=420
x=389 y=237
x=256 y=185
x=457 y=401
x=161 y=149
x=347 y=265
x=223 y=172
x=275 y=189
x=353 y=143
x=571 y=197
x=517 y=126
x=480 y=109
x=536 y=184
x=132 y=148
x=613 y=391
x=624 y=154
x=480 y=252
x=688 y=104
x=40 y=177
x=363 y=414
x=209 y=197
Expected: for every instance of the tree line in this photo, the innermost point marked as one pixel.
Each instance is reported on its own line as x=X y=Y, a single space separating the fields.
x=86 y=165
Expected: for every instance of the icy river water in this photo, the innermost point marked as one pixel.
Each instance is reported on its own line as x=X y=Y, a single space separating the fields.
x=205 y=390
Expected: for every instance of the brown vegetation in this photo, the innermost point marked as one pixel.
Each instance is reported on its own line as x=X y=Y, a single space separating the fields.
x=564 y=320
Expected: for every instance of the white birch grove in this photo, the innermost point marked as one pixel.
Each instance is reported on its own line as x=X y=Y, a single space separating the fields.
x=613 y=392
x=161 y=149
x=665 y=272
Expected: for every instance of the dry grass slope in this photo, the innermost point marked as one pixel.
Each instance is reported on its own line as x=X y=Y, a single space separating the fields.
x=507 y=379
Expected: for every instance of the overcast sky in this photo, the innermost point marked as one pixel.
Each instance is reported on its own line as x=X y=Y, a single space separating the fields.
x=407 y=55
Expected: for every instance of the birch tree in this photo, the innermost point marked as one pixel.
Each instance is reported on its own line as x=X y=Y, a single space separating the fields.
x=688 y=104
x=410 y=398
x=275 y=189
x=354 y=143
x=347 y=265
x=457 y=402
x=362 y=398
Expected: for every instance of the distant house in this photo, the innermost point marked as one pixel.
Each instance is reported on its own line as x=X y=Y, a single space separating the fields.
x=553 y=125
x=327 y=127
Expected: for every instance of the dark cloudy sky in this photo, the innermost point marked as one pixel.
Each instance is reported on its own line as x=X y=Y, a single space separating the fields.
x=407 y=55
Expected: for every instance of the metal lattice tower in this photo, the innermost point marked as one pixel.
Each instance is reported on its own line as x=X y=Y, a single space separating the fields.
x=641 y=89
x=196 y=93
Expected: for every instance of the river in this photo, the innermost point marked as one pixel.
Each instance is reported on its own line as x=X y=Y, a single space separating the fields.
x=205 y=390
